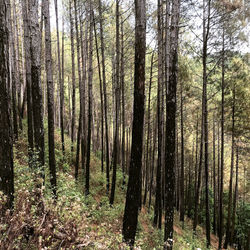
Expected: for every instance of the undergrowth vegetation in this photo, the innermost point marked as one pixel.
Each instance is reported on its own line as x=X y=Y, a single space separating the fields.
x=75 y=221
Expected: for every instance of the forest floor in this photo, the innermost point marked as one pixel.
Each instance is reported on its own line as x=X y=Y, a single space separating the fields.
x=75 y=221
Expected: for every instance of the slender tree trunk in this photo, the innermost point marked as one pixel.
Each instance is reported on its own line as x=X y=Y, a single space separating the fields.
x=23 y=73
x=84 y=49
x=28 y=78
x=177 y=170
x=228 y=228
x=117 y=105
x=101 y=97
x=73 y=78
x=206 y=30
x=235 y=196
x=197 y=191
x=182 y=207
x=134 y=184
x=18 y=82
x=214 y=179
x=148 y=135
x=104 y=94
x=218 y=180
x=62 y=109
x=152 y=163
x=35 y=47
x=81 y=97
x=6 y=136
x=222 y=142
x=171 y=127
x=189 y=187
x=158 y=201
x=69 y=96
x=50 y=95
x=13 y=78
x=60 y=79
x=90 y=76
x=196 y=154
x=123 y=103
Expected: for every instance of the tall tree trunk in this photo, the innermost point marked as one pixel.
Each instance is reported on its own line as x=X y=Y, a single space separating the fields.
x=171 y=86
x=50 y=95
x=123 y=103
x=177 y=169
x=73 y=78
x=69 y=96
x=214 y=179
x=78 y=145
x=81 y=94
x=26 y=24
x=6 y=136
x=152 y=162
x=235 y=195
x=158 y=201
x=222 y=142
x=84 y=49
x=60 y=79
x=13 y=78
x=189 y=187
x=182 y=207
x=90 y=76
x=18 y=82
x=23 y=72
x=101 y=96
x=206 y=30
x=196 y=154
x=104 y=94
x=218 y=179
x=35 y=47
x=197 y=191
x=62 y=109
x=134 y=183
x=228 y=229
x=117 y=105
x=148 y=135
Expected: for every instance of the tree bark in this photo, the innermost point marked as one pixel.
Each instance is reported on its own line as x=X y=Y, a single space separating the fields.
x=235 y=196
x=6 y=136
x=84 y=49
x=228 y=228
x=222 y=142
x=148 y=134
x=13 y=78
x=35 y=47
x=117 y=106
x=214 y=180
x=133 y=192
x=104 y=94
x=26 y=24
x=158 y=201
x=18 y=81
x=206 y=30
x=182 y=206
x=170 y=127
x=73 y=78
x=218 y=179
x=123 y=103
x=50 y=96
x=90 y=76
x=152 y=163
x=60 y=79
x=81 y=96
x=101 y=97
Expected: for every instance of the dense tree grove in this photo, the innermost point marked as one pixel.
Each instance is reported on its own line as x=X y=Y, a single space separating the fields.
x=142 y=105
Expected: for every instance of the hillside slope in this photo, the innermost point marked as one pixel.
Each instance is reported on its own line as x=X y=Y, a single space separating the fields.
x=76 y=221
